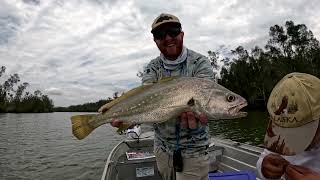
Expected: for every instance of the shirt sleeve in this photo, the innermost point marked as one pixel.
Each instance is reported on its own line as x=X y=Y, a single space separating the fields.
x=149 y=74
x=259 y=162
x=204 y=69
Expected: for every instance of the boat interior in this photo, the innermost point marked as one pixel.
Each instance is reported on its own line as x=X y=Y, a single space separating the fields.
x=225 y=156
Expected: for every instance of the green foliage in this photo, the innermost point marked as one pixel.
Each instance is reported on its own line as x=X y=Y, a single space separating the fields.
x=87 y=107
x=292 y=48
x=13 y=97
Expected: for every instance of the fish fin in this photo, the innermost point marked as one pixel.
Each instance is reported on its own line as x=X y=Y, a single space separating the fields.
x=123 y=127
x=166 y=79
x=135 y=91
x=80 y=125
x=128 y=94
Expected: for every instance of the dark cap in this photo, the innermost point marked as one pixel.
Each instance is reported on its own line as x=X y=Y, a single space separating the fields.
x=164 y=18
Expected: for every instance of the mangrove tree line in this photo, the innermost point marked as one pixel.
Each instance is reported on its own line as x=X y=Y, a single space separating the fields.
x=15 y=98
x=253 y=73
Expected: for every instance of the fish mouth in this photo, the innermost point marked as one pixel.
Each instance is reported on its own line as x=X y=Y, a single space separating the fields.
x=235 y=110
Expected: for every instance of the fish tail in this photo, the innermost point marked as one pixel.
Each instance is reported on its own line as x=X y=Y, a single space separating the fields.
x=80 y=125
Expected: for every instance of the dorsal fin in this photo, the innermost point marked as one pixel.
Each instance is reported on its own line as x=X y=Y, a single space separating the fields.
x=135 y=91
x=127 y=95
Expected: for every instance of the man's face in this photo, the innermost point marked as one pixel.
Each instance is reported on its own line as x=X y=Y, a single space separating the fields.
x=169 y=39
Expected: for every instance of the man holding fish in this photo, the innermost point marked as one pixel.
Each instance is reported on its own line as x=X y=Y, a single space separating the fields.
x=175 y=60
x=178 y=96
x=180 y=145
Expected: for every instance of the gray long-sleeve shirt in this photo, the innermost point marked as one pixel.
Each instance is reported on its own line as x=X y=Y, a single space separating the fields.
x=192 y=142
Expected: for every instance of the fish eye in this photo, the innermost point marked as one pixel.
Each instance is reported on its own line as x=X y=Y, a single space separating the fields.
x=230 y=98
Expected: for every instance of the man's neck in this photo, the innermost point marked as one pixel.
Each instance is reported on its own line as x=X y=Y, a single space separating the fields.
x=171 y=58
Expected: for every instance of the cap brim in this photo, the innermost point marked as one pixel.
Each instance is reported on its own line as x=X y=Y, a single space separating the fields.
x=178 y=24
x=290 y=141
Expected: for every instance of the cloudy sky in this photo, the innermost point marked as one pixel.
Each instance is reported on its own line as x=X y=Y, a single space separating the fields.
x=79 y=51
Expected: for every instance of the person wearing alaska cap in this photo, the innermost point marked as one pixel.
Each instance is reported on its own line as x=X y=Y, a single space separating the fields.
x=180 y=148
x=292 y=139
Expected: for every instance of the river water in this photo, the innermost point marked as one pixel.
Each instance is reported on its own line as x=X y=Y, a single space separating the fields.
x=41 y=146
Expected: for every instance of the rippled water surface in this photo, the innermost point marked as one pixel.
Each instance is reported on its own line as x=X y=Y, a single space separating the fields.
x=41 y=146
x=249 y=130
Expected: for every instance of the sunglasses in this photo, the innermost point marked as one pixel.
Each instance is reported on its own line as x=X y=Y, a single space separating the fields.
x=172 y=32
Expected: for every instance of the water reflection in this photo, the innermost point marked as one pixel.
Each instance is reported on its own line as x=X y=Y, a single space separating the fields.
x=250 y=129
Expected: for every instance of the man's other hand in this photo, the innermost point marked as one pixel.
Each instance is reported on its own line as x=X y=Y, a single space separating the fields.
x=273 y=166
x=189 y=120
x=116 y=122
x=294 y=172
x=103 y=109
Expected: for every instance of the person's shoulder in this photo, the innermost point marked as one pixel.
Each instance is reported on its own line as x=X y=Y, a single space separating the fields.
x=155 y=61
x=196 y=56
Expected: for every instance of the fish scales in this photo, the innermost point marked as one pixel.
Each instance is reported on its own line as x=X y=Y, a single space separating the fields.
x=165 y=101
x=157 y=100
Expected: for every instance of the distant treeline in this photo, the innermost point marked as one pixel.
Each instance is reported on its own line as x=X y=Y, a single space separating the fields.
x=14 y=99
x=87 y=107
x=253 y=74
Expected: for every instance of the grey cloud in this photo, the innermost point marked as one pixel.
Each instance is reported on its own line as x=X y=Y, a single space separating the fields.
x=91 y=49
x=86 y=63
x=54 y=63
x=131 y=56
x=252 y=21
x=8 y=27
x=54 y=91
x=32 y=2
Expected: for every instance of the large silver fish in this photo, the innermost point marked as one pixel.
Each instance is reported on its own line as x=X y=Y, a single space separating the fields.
x=165 y=101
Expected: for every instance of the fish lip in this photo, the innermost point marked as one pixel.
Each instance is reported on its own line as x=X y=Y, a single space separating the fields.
x=242 y=114
x=236 y=110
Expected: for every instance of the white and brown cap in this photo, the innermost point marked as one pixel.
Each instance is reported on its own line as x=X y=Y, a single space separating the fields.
x=162 y=19
x=294 y=109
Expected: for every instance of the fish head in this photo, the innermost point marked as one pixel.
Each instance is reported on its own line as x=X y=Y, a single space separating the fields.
x=219 y=102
